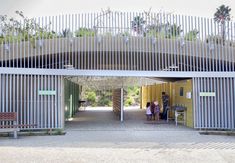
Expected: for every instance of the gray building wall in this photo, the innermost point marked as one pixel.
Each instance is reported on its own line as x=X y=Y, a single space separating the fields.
x=112 y=46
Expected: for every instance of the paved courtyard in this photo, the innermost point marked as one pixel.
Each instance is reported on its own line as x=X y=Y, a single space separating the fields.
x=96 y=135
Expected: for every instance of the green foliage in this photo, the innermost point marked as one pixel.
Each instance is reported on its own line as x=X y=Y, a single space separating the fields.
x=172 y=31
x=39 y=35
x=133 y=96
x=103 y=98
x=137 y=91
x=91 y=96
x=215 y=39
x=137 y=24
x=66 y=33
x=103 y=101
x=98 y=98
x=191 y=35
x=222 y=14
x=152 y=33
x=23 y=30
x=163 y=31
x=81 y=32
x=9 y=39
x=129 y=101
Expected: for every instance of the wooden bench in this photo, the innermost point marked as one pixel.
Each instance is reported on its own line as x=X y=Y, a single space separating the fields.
x=9 y=117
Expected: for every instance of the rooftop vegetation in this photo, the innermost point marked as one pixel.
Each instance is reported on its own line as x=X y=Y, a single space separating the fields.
x=26 y=29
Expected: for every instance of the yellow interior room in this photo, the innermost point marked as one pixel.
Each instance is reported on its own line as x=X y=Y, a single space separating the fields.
x=180 y=93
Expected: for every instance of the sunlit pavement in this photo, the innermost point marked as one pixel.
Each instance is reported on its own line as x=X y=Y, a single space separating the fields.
x=96 y=135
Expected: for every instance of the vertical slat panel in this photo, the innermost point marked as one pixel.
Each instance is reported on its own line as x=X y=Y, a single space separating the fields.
x=218 y=93
x=48 y=111
x=233 y=102
x=210 y=112
x=28 y=96
x=222 y=102
x=232 y=48
x=215 y=103
x=6 y=93
x=1 y=91
x=212 y=49
x=46 y=44
x=225 y=109
x=194 y=93
x=35 y=100
x=212 y=103
x=228 y=101
x=52 y=45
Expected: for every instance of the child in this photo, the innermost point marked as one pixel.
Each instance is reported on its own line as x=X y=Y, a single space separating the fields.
x=148 y=111
x=156 y=109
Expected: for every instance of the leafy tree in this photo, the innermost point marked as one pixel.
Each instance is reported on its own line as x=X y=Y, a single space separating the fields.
x=222 y=15
x=163 y=30
x=104 y=101
x=215 y=39
x=132 y=97
x=129 y=101
x=172 y=31
x=137 y=24
x=25 y=30
x=81 y=32
x=91 y=96
x=191 y=35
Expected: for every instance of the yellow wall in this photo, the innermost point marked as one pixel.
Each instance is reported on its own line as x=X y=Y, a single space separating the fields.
x=187 y=87
x=153 y=92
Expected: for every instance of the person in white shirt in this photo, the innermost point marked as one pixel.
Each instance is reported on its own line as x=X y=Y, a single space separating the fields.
x=148 y=111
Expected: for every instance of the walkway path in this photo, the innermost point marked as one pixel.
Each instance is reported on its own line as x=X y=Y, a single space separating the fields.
x=97 y=136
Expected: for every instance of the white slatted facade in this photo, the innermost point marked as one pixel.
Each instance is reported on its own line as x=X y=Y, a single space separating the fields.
x=20 y=93
x=114 y=48
x=214 y=112
x=111 y=43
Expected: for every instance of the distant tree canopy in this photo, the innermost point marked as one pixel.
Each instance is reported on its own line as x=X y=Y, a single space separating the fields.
x=84 y=32
x=191 y=35
x=163 y=30
x=24 y=29
x=221 y=16
x=104 y=98
x=137 y=24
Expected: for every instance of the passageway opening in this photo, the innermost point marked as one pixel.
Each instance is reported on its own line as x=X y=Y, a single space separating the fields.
x=125 y=99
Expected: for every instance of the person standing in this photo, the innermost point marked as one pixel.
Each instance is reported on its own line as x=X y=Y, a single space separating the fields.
x=152 y=106
x=156 y=109
x=165 y=103
x=148 y=111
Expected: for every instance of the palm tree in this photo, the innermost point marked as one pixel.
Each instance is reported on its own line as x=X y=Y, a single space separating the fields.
x=138 y=24
x=222 y=15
